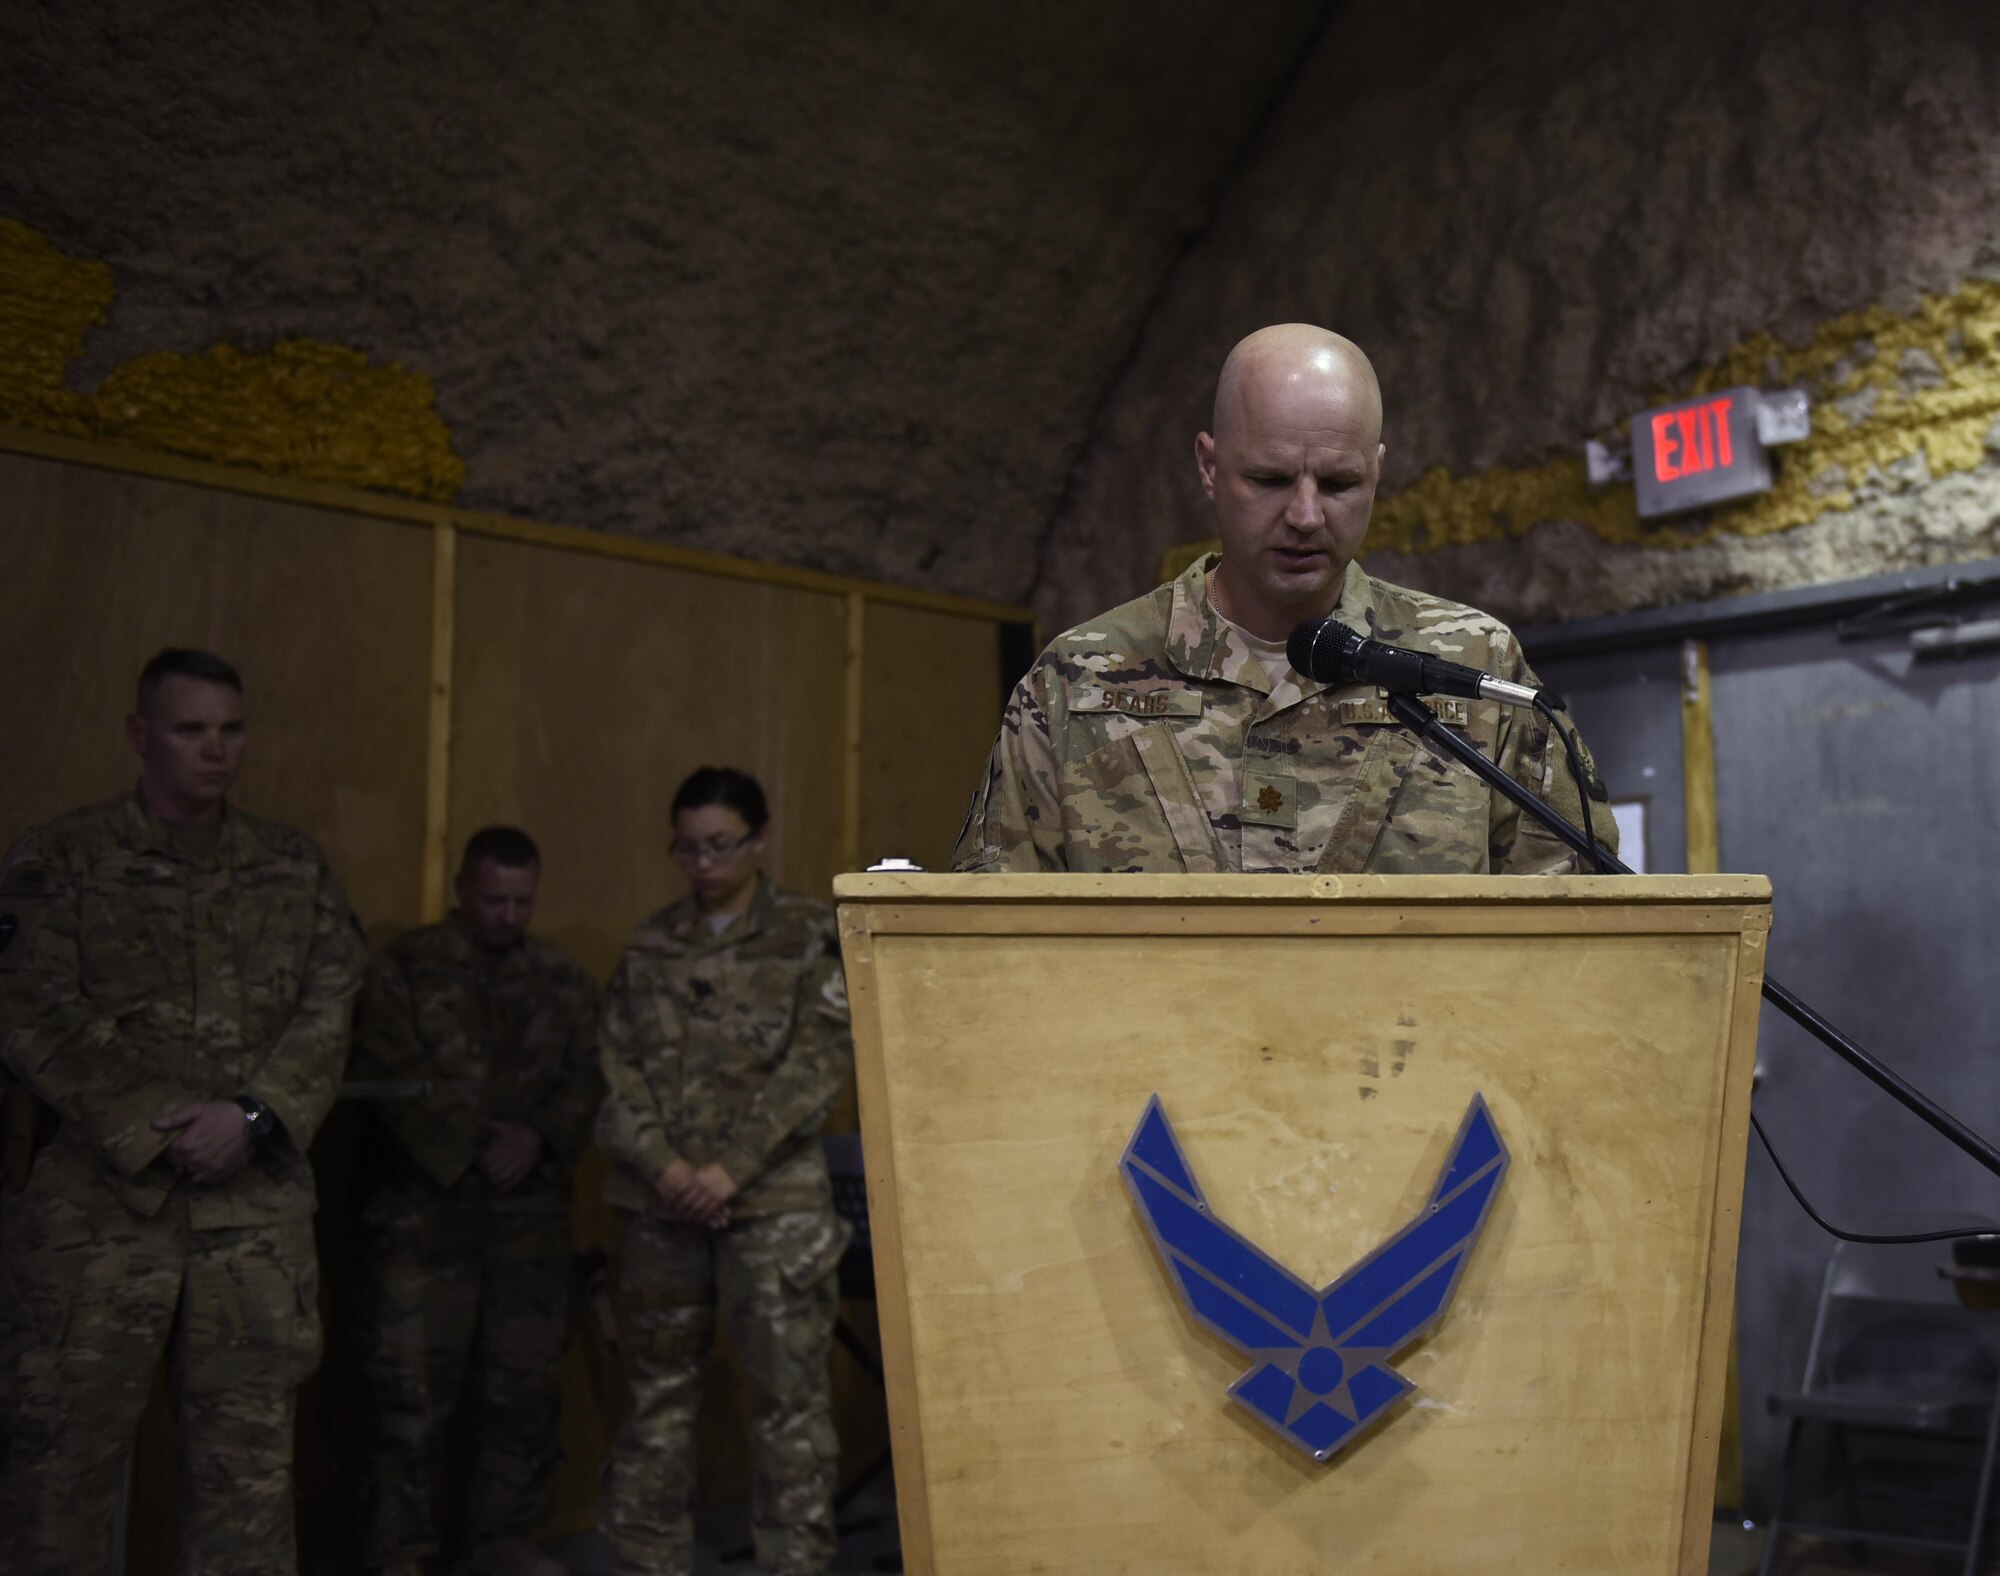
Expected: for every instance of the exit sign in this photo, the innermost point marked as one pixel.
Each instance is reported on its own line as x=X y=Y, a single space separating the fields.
x=1698 y=452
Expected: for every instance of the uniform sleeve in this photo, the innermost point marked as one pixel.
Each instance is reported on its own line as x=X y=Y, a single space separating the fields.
x=632 y=1123
x=565 y=1122
x=89 y=1066
x=301 y=1076
x=1530 y=753
x=808 y=1078
x=1015 y=821
x=440 y=1133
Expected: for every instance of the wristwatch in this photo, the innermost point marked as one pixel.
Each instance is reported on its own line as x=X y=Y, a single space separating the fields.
x=259 y=1118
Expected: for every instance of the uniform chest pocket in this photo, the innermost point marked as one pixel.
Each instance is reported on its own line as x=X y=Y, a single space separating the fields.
x=445 y=1005
x=732 y=1004
x=1111 y=817
x=1131 y=805
x=134 y=935
x=1438 y=820
x=535 y=1044
x=274 y=920
x=754 y=1007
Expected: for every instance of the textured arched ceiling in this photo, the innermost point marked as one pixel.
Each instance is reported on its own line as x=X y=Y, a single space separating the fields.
x=832 y=285
x=1542 y=219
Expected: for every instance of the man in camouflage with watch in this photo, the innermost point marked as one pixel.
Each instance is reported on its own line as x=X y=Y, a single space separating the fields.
x=465 y=1282
x=175 y=985
x=1171 y=733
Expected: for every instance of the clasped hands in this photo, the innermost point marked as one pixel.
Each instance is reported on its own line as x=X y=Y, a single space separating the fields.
x=510 y=1154
x=696 y=1196
x=214 y=1142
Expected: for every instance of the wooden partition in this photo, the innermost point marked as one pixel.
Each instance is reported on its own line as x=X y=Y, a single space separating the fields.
x=415 y=672
x=414 y=668
x=584 y=690
x=926 y=694
x=328 y=616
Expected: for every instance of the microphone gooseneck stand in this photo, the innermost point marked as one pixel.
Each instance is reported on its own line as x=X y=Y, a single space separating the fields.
x=1425 y=723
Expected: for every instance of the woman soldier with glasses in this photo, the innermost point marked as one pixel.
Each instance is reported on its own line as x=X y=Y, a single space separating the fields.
x=725 y=1044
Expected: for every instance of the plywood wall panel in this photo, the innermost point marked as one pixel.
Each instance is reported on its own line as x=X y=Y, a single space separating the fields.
x=325 y=613
x=581 y=690
x=585 y=689
x=930 y=707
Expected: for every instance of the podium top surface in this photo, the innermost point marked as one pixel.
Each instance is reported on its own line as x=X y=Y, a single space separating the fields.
x=903 y=887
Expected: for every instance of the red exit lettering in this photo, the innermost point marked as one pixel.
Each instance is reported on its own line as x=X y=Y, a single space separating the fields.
x=1691 y=441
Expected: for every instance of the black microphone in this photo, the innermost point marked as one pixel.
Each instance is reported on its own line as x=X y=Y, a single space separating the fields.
x=1328 y=652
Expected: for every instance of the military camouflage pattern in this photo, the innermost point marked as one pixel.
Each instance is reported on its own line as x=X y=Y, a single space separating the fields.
x=510 y=1038
x=464 y=1289
x=1161 y=737
x=142 y=976
x=772 y=1277
x=726 y=1048
x=89 y=1294
x=461 y=1293
x=140 y=979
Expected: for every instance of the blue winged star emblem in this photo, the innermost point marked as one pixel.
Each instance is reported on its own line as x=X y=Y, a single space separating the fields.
x=1319 y=1371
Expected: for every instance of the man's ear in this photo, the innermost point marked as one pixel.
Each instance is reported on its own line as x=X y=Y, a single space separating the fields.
x=1204 y=463
x=136 y=733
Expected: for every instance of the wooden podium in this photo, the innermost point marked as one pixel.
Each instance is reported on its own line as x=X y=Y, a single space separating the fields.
x=1315 y=1042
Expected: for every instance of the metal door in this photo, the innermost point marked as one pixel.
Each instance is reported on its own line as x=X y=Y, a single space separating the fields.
x=1865 y=782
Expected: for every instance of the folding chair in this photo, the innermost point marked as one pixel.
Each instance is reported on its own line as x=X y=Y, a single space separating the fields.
x=1893 y=1353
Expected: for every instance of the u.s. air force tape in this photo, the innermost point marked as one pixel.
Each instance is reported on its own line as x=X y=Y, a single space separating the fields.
x=1375 y=712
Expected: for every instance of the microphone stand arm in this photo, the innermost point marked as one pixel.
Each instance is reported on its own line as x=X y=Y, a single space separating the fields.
x=1424 y=722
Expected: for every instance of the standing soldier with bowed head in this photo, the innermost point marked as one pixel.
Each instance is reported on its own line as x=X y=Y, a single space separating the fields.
x=465 y=1282
x=725 y=1045
x=175 y=983
x=1172 y=734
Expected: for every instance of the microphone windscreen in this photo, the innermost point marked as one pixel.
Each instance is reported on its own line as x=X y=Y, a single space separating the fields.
x=1298 y=649
x=1318 y=649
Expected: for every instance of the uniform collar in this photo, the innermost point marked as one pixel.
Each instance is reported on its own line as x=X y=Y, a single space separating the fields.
x=471 y=954
x=1201 y=643
x=692 y=926
x=147 y=833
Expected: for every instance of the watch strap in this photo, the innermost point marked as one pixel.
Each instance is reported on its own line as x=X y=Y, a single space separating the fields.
x=258 y=1117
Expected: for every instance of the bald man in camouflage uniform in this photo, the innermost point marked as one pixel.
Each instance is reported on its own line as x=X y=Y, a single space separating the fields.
x=466 y=1255
x=726 y=1048
x=1171 y=734
x=175 y=986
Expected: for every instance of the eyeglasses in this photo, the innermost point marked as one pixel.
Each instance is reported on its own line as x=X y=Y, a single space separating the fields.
x=716 y=848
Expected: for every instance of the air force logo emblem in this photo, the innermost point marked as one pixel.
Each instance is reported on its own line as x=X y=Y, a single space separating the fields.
x=1319 y=1370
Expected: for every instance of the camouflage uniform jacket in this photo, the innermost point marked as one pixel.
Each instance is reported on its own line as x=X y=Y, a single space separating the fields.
x=726 y=1048
x=510 y=1038
x=1153 y=739
x=138 y=979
